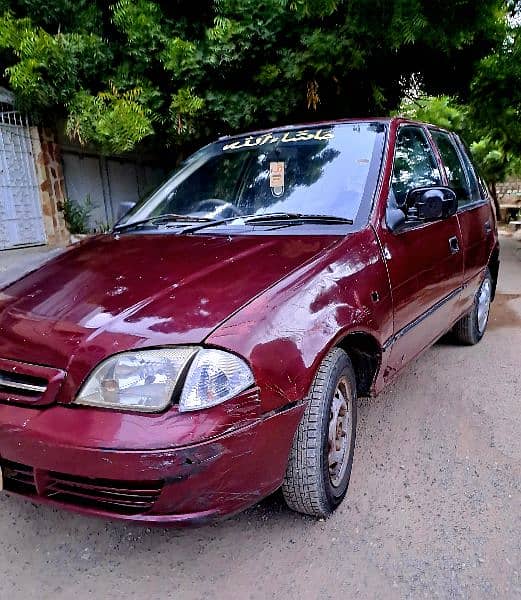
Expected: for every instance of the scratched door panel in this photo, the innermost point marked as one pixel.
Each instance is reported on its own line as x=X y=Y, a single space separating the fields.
x=424 y=276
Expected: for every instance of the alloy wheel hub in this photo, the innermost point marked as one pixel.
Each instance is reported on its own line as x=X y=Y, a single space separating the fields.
x=485 y=294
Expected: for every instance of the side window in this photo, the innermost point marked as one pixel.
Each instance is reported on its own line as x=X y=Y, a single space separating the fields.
x=414 y=163
x=454 y=168
x=477 y=188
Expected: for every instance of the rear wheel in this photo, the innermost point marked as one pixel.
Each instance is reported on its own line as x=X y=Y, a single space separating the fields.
x=471 y=328
x=321 y=457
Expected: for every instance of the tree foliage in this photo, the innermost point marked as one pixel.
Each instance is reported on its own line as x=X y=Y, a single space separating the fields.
x=177 y=72
x=496 y=93
x=493 y=161
x=490 y=121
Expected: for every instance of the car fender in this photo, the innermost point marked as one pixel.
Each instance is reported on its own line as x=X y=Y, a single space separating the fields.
x=285 y=332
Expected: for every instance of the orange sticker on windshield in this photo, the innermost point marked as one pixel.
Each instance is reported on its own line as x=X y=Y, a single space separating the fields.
x=276 y=174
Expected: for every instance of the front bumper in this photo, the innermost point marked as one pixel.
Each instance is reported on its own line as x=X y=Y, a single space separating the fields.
x=190 y=484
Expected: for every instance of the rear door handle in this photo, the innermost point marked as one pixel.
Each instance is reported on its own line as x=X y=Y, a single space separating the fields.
x=488 y=227
x=454 y=245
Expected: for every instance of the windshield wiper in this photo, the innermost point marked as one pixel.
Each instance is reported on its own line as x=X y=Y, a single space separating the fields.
x=296 y=217
x=288 y=218
x=169 y=217
x=204 y=222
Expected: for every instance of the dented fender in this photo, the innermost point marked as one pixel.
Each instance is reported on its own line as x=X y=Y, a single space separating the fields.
x=285 y=332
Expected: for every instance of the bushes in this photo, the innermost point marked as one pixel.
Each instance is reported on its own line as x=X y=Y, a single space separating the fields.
x=77 y=215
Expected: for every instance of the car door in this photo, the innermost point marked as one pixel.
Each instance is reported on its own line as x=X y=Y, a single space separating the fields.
x=424 y=259
x=475 y=216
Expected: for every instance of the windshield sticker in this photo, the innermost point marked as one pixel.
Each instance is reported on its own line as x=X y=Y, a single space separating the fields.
x=277 y=178
x=290 y=136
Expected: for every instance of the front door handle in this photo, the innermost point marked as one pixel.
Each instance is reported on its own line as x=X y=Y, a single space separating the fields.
x=454 y=245
x=488 y=227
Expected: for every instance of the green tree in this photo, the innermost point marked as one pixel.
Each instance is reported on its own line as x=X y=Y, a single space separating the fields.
x=495 y=155
x=496 y=93
x=179 y=72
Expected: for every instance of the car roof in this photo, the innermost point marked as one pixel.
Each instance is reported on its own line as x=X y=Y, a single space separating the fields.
x=387 y=120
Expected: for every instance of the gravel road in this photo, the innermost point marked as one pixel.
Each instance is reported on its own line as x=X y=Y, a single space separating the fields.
x=433 y=510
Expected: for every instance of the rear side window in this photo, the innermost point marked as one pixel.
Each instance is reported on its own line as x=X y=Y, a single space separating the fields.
x=478 y=189
x=459 y=178
x=414 y=163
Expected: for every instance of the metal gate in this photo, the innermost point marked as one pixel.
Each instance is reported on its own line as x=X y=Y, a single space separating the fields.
x=21 y=219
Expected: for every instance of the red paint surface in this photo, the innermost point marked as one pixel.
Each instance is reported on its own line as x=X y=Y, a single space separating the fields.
x=280 y=301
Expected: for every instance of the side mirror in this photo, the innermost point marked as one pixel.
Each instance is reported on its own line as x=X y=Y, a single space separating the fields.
x=431 y=204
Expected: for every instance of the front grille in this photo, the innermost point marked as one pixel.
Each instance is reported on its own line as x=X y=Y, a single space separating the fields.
x=18 y=478
x=121 y=497
x=117 y=496
x=25 y=383
x=22 y=385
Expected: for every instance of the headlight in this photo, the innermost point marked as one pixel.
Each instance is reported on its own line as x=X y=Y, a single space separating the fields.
x=214 y=377
x=145 y=380
x=142 y=381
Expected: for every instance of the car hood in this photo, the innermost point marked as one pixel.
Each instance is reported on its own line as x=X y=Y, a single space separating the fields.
x=112 y=293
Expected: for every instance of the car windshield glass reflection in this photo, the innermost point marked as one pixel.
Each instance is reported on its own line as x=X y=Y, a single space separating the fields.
x=315 y=171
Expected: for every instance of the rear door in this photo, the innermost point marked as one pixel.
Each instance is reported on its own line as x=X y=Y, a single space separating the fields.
x=475 y=216
x=424 y=259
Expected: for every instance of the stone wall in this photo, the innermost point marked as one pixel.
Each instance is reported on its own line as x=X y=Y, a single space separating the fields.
x=509 y=192
x=51 y=184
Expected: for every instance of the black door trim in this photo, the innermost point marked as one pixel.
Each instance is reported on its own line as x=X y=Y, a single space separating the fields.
x=420 y=318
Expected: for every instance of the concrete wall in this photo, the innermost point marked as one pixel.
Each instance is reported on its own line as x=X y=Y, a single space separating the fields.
x=109 y=183
x=509 y=192
x=509 y=198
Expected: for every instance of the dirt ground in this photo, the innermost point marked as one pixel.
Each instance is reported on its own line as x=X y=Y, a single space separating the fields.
x=433 y=510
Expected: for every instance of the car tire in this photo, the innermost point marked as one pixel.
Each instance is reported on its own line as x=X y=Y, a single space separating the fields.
x=471 y=328
x=314 y=484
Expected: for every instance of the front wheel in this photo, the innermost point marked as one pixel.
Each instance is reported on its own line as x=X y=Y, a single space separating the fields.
x=471 y=328
x=321 y=457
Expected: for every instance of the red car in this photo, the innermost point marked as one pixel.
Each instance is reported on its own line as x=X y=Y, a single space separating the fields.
x=211 y=348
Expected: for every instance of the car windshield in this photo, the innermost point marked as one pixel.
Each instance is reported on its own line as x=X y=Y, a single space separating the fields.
x=328 y=170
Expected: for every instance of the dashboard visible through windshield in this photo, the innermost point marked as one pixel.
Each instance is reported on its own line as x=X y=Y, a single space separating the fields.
x=327 y=171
